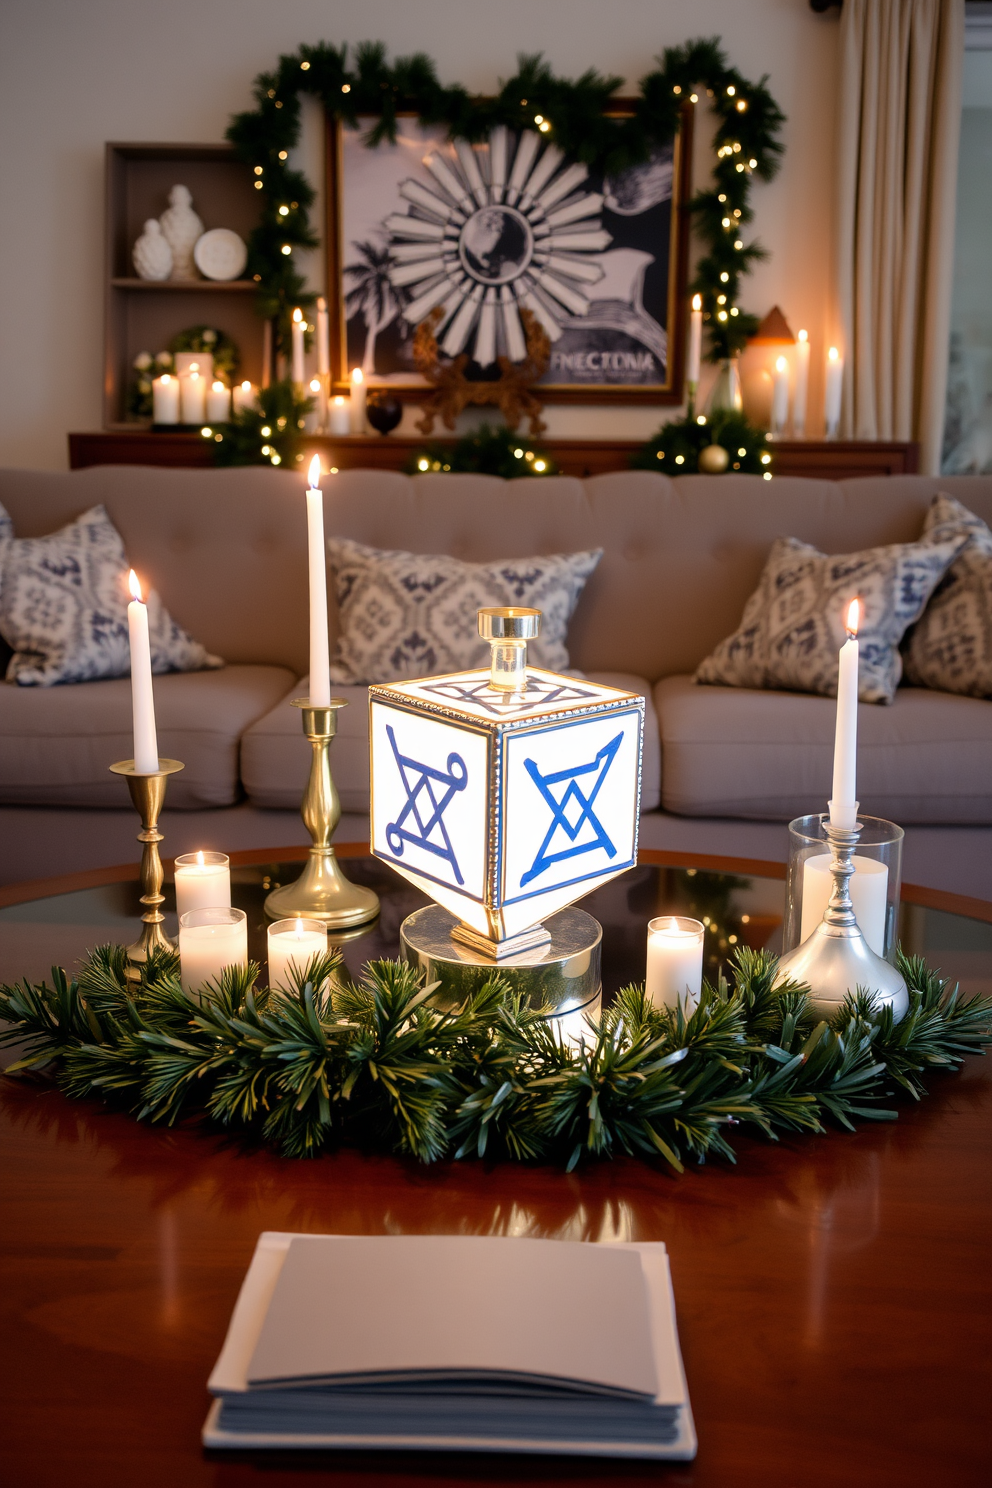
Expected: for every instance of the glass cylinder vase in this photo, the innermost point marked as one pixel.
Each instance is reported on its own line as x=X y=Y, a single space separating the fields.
x=725 y=394
x=874 y=888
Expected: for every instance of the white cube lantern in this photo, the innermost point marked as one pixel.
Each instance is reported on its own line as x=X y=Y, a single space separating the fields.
x=506 y=794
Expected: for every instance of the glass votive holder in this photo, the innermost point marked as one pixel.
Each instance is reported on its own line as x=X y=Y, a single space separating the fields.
x=203 y=881
x=209 y=940
x=675 y=961
x=875 y=884
x=293 y=943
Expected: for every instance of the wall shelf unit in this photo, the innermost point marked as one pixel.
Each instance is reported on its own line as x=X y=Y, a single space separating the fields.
x=144 y=315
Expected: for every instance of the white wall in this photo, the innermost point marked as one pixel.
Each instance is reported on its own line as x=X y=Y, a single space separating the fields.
x=75 y=73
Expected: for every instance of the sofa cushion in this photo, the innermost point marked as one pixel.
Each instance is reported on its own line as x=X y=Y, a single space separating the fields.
x=730 y=751
x=275 y=756
x=56 y=744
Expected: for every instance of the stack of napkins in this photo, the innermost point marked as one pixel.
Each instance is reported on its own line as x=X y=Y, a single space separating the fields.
x=458 y=1343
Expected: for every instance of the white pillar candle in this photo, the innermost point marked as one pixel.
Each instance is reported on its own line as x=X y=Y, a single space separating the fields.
x=142 y=697
x=801 y=392
x=695 y=341
x=868 y=885
x=244 y=397
x=358 y=391
x=780 y=395
x=193 y=398
x=165 y=399
x=294 y=943
x=209 y=940
x=834 y=390
x=203 y=881
x=339 y=416
x=320 y=675
x=843 y=798
x=675 y=962
x=323 y=339
x=218 y=404
x=298 y=328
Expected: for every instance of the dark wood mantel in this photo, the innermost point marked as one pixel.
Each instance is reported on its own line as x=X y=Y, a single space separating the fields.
x=833 y=460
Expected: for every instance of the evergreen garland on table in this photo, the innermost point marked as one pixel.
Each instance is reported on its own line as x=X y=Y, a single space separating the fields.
x=375 y=1062
x=676 y=447
x=574 y=116
x=491 y=450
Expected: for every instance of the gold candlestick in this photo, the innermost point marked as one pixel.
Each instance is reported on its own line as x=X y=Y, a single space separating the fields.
x=322 y=892
x=148 y=795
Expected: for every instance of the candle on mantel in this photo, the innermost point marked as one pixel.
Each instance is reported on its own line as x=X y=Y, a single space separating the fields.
x=801 y=392
x=142 y=697
x=299 y=326
x=780 y=395
x=218 y=404
x=675 y=962
x=193 y=398
x=339 y=416
x=320 y=670
x=203 y=881
x=695 y=345
x=358 y=391
x=293 y=944
x=165 y=399
x=843 y=798
x=210 y=939
x=833 y=392
x=244 y=397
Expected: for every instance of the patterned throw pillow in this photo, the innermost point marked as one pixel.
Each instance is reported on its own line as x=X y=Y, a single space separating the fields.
x=950 y=646
x=63 y=608
x=408 y=615
x=793 y=624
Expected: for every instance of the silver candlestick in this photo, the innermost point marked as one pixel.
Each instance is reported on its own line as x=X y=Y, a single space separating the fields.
x=836 y=958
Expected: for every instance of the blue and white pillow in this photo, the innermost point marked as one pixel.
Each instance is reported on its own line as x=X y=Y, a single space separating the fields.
x=63 y=607
x=408 y=615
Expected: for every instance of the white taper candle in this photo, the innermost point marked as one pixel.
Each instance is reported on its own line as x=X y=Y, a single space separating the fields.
x=801 y=392
x=142 y=697
x=320 y=678
x=299 y=327
x=843 y=798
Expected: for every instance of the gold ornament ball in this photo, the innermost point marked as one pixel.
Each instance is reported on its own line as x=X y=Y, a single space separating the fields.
x=713 y=459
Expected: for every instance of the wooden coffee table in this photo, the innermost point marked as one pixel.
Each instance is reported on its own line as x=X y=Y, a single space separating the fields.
x=833 y=1293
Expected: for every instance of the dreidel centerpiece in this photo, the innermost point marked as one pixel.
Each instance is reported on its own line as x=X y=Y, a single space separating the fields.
x=506 y=794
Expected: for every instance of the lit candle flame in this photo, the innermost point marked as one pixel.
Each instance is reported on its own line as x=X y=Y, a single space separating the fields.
x=134 y=585
x=218 y=387
x=166 y=377
x=299 y=928
x=246 y=387
x=200 y=860
x=297 y=316
x=804 y=335
x=315 y=384
x=314 y=476
x=697 y=302
x=833 y=354
x=781 y=364
x=853 y=617
x=673 y=926
x=357 y=376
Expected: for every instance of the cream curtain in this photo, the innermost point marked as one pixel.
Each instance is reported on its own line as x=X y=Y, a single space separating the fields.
x=900 y=115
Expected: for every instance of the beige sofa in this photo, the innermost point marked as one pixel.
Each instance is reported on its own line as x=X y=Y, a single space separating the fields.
x=724 y=769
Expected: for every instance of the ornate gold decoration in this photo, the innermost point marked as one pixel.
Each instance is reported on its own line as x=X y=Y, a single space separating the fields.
x=322 y=892
x=148 y=796
x=454 y=392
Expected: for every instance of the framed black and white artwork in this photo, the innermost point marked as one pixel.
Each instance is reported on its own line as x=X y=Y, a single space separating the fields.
x=485 y=230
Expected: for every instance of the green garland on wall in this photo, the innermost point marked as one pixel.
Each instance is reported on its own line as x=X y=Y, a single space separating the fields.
x=375 y=1063
x=746 y=143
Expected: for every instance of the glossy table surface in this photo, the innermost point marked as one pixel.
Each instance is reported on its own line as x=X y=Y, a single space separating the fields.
x=832 y=1293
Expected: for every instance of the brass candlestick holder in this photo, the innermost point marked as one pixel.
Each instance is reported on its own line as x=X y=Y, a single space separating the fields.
x=148 y=795
x=836 y=958
x=322 y=892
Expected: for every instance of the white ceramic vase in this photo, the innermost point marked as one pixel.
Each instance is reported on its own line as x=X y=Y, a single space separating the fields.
x=151 y=253
x=181 y=227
